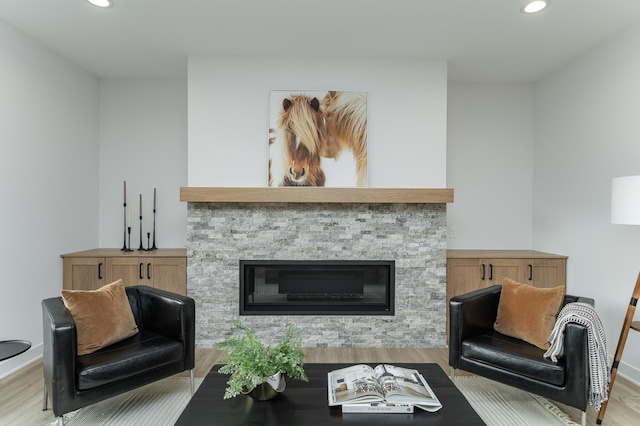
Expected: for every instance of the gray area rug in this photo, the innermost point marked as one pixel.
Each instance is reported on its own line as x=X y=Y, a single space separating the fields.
x=159 y=403
x=162 y=402
x=500 y=404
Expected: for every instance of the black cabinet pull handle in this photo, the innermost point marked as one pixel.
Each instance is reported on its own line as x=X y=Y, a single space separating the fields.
x=100 y=270
x=530 y=272
x=490 y=271
x=140 y=271
x=149 y=271
x=483 y=271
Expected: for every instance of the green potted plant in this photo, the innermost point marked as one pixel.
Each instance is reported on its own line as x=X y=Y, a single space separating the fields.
x=260 y=370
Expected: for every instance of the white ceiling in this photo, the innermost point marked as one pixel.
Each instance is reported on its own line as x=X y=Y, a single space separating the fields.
x=483 y=40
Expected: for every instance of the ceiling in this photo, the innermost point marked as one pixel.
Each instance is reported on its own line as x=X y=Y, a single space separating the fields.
x=482 y=40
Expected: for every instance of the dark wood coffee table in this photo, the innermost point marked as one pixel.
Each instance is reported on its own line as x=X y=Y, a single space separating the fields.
x=305 y=403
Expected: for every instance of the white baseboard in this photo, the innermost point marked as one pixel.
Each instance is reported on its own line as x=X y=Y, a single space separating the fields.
x=629 y=372
x=14 y=364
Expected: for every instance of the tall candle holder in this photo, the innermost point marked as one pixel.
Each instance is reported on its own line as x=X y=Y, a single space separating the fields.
x=153 y=247
x=155 y=201
x=124 y=244
x=141 y=248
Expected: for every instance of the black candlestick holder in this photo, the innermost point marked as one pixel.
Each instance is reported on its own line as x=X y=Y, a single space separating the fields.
x=153 y=247
x=129 y=236
x=125 y=246
x=141 y=248
x=148 y=238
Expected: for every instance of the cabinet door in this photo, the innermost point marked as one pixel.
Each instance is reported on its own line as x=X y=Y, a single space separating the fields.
x=132 y=270
x=463 y=276
x=167 y=273
x=83 y=273
x=497 y=269
x=547 y=273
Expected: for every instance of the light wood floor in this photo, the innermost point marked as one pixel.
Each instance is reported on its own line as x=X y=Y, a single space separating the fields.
x=21 y=393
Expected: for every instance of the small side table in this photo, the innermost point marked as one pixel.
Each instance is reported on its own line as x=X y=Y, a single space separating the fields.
x=11 y=348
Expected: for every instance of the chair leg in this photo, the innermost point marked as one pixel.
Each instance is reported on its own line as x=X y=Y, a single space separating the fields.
x=193 y=387
x=60 y=420
x=452 y=374
x=583 y=418
x=45 y=398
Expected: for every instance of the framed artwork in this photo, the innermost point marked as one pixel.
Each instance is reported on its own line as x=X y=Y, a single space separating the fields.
x=318 y=138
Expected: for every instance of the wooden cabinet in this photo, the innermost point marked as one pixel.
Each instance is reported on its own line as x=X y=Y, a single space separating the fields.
x=87 y=273
x=91 y=269
x=550 y=272
x=469 y=270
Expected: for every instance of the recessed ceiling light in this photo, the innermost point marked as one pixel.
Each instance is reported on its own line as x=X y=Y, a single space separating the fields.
x=101 y=3
x=534 y=6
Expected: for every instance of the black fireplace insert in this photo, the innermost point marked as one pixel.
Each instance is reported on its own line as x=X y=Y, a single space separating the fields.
x=317 y=287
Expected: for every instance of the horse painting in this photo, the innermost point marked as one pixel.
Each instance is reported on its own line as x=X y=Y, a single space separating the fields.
x=309 y=131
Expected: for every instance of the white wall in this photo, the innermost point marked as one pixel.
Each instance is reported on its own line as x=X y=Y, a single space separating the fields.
x=48 y=180
x=490 y=165
x=229 y=115
x=143 y=140
x=586 y=133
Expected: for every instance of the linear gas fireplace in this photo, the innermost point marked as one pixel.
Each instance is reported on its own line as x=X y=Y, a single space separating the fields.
x=288 y=287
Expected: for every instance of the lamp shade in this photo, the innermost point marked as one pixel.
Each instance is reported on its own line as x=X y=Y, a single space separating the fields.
x=625 y=200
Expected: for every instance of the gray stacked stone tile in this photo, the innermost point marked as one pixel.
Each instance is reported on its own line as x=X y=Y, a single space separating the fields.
x=414 y=235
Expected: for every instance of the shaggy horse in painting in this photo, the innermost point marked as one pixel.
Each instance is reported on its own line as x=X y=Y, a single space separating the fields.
x=299 y=133
x=309 y=129
x=304 y=167
x=345 y=128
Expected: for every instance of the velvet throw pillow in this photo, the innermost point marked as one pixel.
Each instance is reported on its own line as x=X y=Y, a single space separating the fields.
x=528 y=313
x=102 y=317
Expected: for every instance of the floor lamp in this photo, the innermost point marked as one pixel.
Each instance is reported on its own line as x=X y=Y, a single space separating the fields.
x=625 y=210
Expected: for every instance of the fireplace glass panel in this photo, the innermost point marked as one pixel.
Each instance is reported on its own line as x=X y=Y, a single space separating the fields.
x=317 y=287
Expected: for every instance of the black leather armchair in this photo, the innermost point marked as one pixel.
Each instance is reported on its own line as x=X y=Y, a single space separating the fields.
x=474 y=346
x=164 y=346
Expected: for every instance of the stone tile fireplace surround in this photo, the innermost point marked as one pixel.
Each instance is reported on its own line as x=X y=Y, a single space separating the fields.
x=219 y=234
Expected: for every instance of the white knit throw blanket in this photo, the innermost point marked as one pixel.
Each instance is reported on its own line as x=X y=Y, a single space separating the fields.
x=586 y=315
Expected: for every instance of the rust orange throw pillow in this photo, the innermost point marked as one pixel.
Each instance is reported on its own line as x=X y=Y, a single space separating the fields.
x=102 y=316
x=528 y=313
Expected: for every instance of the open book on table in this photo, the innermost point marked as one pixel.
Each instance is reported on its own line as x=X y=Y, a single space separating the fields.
x=384 y=383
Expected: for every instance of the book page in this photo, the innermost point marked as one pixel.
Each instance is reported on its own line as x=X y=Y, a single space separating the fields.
x=402 y=385
x=353 y=384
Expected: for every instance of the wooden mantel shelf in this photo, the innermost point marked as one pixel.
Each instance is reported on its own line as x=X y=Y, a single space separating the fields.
x=316 y=195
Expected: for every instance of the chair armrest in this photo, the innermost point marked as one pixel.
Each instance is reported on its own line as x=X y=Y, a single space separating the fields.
x=586 y=300
x=171 y=315
x=577 y=365
x=470 y=315
x=474 y=313
x=59 y=354
x=576 y=344
x=568 y=298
